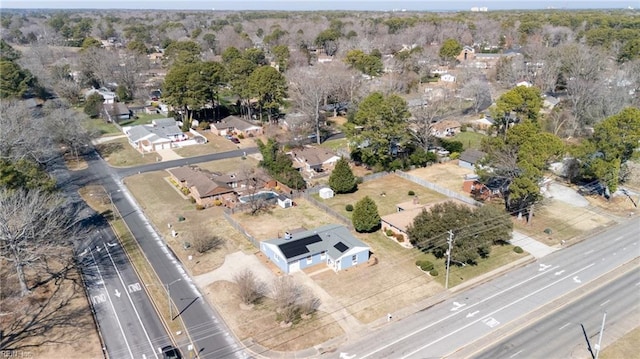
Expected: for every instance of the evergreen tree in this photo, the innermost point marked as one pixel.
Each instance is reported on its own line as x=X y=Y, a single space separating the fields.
x=365 y=216
x=93 y=105
x=342 y=179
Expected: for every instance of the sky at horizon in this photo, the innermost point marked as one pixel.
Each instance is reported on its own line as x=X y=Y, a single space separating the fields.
x=313 y=5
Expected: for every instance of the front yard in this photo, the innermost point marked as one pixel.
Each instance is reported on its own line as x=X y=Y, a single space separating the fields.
x=119 y=153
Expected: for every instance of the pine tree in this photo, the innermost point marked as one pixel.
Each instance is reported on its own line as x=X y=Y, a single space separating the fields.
x=342 y=179
x=365 y=216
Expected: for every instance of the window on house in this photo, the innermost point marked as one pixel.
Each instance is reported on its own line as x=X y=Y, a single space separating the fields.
x=309 y=260
x=354 y=259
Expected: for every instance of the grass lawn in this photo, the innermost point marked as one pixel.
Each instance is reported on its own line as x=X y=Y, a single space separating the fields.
x=500 y=255
x=469 y=139
x=142 y=119
x=119 y=153
x=625 y=347
x=102 y=128
x=335 y=145
x=386 y=192
x=564 y=220
x=215 y=144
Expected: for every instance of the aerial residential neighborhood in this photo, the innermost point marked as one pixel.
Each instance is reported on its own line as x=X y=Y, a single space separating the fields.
x=312 y=183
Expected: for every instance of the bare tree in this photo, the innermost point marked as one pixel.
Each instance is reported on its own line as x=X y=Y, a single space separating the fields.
x=23 y=134
x=285 y=292
x=35 y=227
x=250 y=288
x=478 y=91
x=309 y=88
x=203 y=242
x=67 y=126
x=422 y=120
x=308 y=303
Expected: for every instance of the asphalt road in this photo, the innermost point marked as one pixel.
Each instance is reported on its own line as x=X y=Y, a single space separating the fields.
x=208 y=333
x=464 y=318
x=129 y=324
x=562 y=333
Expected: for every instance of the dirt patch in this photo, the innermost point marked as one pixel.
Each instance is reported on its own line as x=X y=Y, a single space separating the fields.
x=448 y=175
x=261 y=324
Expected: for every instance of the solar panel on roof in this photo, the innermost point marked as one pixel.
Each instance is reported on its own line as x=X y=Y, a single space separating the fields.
x=298 y=247
x=341 y=247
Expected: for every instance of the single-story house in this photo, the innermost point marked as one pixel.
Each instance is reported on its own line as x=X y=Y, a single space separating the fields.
x=159 y=135
x=116 y=111
x=107 y=95
x=467 y=53
x=400 y=221
x=314 y=159
x=483 y=123
x=445 y=128
x=330 y=244
x=235 y=125
x=470 y=157
x=495 y=187
x=201 y=184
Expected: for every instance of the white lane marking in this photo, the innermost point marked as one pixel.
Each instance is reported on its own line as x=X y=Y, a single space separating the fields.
x=452 y=315
x=589 y=252
x=491 y=322
x=83 y=252
x=135 y=287
x=126 y=342
x=515 y=354
x=471 y=315
x=543 y=267
x=117 y=293
x=347 y=356
x=564 y=326
x=457 y=306
x=132 y=305
x=617 y=239
x=497 y=310
x=559 y=272
x=577 y=280
x=605 y=302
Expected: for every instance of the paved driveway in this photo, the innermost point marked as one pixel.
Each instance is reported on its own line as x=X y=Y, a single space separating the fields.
x=566 y=194
x=234 y=263
x=168 y=155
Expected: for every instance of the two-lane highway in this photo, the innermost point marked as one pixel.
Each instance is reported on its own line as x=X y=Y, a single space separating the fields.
x=563 y=334
x=471 y=315
x=129 y=324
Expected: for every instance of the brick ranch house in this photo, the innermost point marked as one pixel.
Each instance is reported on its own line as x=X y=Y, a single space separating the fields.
x=406 y=212
x=330 y=244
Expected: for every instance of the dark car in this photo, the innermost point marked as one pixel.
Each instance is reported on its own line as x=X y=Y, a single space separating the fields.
x=171 y=352
x=235 y=140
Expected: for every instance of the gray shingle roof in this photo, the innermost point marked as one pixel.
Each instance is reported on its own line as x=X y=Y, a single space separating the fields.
x=472 y=156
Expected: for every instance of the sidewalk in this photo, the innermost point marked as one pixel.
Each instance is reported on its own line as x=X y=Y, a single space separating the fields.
x=537 y=249
x=100 y=140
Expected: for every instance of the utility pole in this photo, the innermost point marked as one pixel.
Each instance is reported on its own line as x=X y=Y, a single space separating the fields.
x=450 y=242
x=600 y=338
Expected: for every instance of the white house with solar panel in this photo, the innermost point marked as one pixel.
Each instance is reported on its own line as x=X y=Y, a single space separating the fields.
x=330 y=244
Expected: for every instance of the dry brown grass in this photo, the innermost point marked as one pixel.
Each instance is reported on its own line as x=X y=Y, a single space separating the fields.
x=448 y=175
x=163 y=204
x=55 y=321
x=565 y=221
x=119 y=153
x=261 y=323
x=386 y=192
x=625 y=347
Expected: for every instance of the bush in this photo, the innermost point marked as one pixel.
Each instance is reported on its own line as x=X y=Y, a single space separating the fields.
x=517 y=250
x=399 y=237
x=463 y=127
x=240 y=136
x=199 y=207
x=217 y=203
x=433 y=272
x=388 y=232
x=203 y=243
x=192 y=200
x=349 y=207
x=548 y=231
x=185 y=190
x=424 y=265
x=411 y=193
x=181 y=219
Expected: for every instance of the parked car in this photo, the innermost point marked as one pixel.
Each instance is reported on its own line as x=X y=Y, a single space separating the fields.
x=228 y=137
x=171 y=352
x=235 y=140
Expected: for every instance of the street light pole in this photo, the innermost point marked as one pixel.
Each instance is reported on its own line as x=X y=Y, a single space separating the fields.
x=600 y=338
x=450 y=242
x=168 y=287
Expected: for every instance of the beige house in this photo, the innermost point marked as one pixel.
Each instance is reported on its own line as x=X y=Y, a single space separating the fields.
x=400 y=221
x=314 y=159
x=234 y=125
x=445 y=128
x=202 y=186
